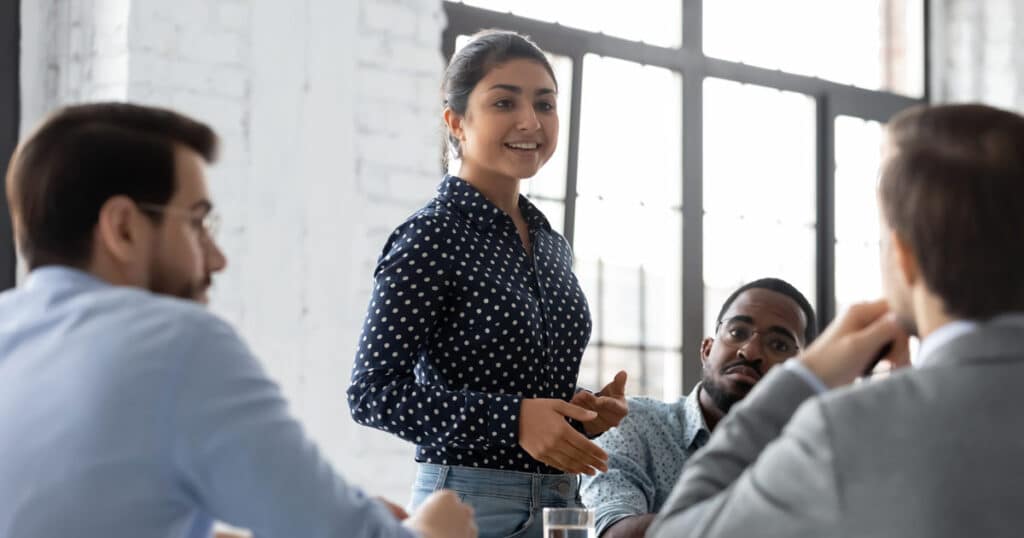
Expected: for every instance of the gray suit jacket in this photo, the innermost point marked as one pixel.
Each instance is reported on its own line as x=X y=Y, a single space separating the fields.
x=931 y=452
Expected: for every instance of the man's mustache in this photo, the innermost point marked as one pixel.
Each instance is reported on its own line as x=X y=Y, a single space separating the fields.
x=756 y=366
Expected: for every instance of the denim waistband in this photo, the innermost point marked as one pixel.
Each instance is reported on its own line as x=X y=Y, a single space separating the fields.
x=542 y=489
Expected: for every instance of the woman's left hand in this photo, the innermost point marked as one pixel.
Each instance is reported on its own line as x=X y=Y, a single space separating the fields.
x=609 y=404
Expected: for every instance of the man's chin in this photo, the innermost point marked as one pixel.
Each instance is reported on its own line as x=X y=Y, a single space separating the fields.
x=726 y=394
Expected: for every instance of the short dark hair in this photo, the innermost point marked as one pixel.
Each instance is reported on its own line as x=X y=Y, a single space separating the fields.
x=485 y=50
x=952 y=189
x=82 y=156
x=785 y=288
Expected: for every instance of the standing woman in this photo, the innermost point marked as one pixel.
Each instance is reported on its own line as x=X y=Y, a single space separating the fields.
x=474 y=333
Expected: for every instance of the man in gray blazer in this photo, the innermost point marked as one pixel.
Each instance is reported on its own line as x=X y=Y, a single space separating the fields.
x=933 y=451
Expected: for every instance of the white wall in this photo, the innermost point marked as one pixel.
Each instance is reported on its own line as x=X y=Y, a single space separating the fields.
x=329 y=116
x=978 y=52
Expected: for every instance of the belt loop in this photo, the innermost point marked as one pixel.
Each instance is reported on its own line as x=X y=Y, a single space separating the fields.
x=442 y=475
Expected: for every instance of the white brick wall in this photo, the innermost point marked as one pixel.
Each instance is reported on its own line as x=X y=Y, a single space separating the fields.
x=330 y=119
x=978 y=52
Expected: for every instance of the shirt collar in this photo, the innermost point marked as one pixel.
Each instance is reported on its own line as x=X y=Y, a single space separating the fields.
x=694 y=419
x=59 y=276
x=459 y=195
x=955 y=329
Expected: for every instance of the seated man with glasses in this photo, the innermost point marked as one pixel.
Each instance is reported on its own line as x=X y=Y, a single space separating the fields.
x=760 y=325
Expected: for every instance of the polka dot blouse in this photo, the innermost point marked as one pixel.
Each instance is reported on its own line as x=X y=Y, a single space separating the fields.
x=462 y=325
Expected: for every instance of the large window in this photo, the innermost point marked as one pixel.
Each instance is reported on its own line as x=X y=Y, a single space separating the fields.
x=706 y=144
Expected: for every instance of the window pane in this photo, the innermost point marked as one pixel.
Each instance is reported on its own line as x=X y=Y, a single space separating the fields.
x=631 y=138
x=658 y=22
x=739 y=250
x=631 y=253
x=670 y=366
x=759 y=190
x=759 y=152
x=621 y=298
x=629 y=263
x=652 y=372
x=662 y=293
x=875 y=44
x=858 y=155
x=616 y=359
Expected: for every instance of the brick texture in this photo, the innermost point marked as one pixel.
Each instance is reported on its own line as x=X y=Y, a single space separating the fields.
x=328 y=143
x=979 y=52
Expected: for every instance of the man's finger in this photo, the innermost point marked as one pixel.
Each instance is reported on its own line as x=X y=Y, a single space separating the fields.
x=585 y=399
x=612 y=411
x=880 y=332
x=618 y=385
x=899 y=357
x=612 y=406
x=863 y=314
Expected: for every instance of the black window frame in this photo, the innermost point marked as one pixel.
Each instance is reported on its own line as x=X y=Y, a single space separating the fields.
x=10 y=111
x=831 y=99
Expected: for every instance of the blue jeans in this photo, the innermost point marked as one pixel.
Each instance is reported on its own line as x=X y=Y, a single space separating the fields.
x=506 y=504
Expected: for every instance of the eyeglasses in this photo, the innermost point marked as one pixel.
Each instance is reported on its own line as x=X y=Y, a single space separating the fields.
x=207 y=223
x=737 y=332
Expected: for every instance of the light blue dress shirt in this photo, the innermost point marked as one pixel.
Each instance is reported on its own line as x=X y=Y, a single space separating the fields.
x=125 y=413
x=646 y=454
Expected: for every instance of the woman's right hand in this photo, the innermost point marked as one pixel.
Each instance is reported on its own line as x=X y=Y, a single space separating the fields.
x=545 y=435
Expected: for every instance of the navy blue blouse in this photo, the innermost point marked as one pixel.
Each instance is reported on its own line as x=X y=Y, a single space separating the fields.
x=462 y=325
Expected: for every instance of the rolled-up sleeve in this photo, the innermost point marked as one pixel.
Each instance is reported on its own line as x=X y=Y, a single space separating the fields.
x=627 y=489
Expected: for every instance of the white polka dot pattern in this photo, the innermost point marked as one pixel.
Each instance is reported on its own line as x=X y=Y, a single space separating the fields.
x=462 y=325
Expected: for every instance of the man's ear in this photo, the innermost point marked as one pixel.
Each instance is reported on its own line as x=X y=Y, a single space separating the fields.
x=904 y=260
x=120 y=229
x=705 y=349
x=454 y=122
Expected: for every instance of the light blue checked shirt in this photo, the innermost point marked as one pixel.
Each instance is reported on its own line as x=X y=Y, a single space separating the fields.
x=646 y=454
x=124 y=413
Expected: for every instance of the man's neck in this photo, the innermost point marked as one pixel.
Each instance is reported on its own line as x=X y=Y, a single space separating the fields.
x=929 y=313
x=103 y=268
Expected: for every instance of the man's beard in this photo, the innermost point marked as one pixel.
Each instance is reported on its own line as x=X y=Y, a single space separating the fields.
x=190 y=289
x=722 y=398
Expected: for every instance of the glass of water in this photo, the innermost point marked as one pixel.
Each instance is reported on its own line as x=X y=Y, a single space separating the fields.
x=568 y=523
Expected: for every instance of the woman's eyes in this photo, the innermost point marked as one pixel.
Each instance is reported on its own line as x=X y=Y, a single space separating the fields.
x=543 y=106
